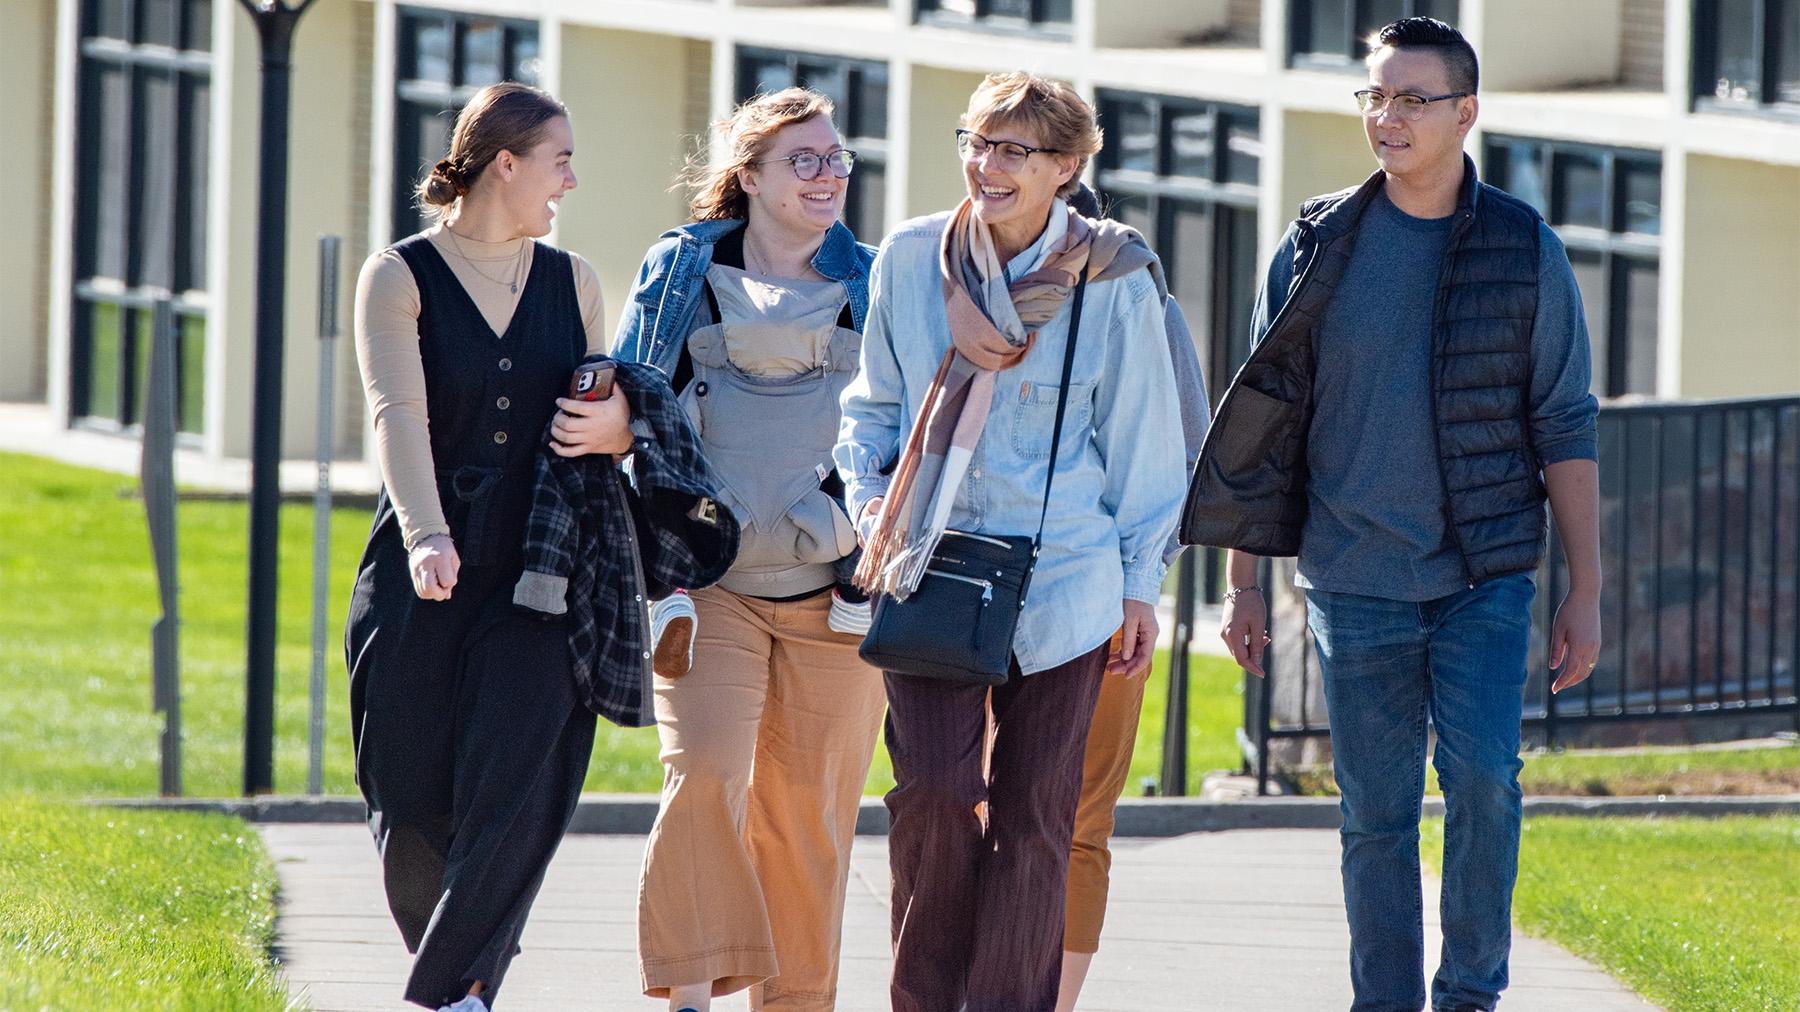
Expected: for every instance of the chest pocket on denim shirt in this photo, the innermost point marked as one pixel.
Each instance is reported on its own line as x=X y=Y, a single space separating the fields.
x=1034 y=416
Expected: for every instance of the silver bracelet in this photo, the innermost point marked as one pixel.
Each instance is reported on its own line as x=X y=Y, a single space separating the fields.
x=1232 y=594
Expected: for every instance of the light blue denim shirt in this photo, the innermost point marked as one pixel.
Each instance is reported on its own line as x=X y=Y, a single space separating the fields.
x=1119 y=483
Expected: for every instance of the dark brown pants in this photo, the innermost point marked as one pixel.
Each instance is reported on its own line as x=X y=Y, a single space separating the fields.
x=978 y=910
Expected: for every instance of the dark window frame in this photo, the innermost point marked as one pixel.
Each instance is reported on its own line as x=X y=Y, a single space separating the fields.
x=1225 y=343
x=425 y=98
x=1704 y=58
x=1618 y=250
x=167 y=153
x=1041 y=21
x=871 y=149
x=1348 y=54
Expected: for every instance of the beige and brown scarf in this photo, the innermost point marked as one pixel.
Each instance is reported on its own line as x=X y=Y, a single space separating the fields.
x=993 y=326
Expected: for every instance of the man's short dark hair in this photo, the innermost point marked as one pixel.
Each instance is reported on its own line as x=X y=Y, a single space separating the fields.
x=1432 y=34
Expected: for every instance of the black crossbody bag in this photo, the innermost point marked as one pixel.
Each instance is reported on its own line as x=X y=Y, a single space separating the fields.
x=958 y=626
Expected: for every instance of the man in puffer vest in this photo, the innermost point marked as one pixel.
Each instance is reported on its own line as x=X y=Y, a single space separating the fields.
x=1418 y=388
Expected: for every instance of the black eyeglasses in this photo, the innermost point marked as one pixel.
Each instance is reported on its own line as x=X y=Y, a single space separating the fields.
x=1009 y=156
x=1406 y=105
x=808 y=165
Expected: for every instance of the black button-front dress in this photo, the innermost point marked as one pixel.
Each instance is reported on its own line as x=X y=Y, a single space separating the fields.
x=471 y=744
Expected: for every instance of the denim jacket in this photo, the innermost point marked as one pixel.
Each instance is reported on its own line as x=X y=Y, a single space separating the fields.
x=1120 y=480
x=660 y=312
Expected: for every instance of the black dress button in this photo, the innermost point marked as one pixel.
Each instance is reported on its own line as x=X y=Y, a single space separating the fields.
x=503 y=403
x=505 y=364
x=499 y=437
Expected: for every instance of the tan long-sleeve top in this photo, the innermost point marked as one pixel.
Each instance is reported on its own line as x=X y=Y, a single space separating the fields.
x=387 y=351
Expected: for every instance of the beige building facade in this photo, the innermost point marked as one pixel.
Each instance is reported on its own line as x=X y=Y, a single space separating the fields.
x=1660 y=137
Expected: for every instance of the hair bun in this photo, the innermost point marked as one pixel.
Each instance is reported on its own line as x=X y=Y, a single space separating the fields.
x=446 y=170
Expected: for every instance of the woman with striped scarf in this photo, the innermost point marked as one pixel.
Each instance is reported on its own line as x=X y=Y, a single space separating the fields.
x=962 y=365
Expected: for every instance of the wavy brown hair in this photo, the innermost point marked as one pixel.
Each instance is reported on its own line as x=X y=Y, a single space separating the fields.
x=501 y=117
x=713 y=187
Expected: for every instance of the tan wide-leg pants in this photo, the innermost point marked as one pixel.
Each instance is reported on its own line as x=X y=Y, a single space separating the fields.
x=1104 y=768
x=766 y=742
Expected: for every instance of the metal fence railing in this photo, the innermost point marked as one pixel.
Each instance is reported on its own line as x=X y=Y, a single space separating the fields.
x=1700 y=547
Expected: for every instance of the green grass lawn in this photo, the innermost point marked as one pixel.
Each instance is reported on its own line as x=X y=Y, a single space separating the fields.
x=1698 y=915
x=134 y=910
x=79 y=596
x=1675 y=771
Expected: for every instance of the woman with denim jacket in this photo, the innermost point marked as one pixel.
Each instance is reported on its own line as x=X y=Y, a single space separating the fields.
x=755 y=309
x=971 y=313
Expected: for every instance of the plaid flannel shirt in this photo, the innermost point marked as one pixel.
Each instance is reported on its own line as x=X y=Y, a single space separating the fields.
x=600 y=546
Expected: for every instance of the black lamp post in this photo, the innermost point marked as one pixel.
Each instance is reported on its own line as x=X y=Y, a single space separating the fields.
x=275 y=20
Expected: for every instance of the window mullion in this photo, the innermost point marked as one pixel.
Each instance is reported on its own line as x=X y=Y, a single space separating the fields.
x=1768 y=47
x=1618 y=326
x=1221 y=145
x=178 y=254
x=1218 y=316
x=1609 y=193
x=133 y=218
x=459 y=31
x=128 y=353
x=1159 y=127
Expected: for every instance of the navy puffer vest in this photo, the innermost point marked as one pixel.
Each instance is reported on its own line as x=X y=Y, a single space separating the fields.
x=1249 y=486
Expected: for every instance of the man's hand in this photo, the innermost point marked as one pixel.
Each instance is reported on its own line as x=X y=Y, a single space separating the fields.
x=583 y=427
x=1135 y=644
x=1574 y=489
x=1244 y=626
x=1575 y=639
x=434 y=565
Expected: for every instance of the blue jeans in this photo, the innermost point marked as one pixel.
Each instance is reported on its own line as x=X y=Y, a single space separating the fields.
x=1388 y=665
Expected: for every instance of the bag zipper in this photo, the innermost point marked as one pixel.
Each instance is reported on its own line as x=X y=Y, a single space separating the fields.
x=987 y=586
x=978 y=537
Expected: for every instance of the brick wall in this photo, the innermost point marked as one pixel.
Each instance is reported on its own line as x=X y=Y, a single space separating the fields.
x=1641 y=45
x=1244 y=22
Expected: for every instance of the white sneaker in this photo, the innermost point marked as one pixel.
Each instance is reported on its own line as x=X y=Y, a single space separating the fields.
x=470 y=1003
x=850 y=617
x=672 y=625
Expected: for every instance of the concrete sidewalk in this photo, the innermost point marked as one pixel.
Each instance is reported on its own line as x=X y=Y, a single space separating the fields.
x=1245 y=920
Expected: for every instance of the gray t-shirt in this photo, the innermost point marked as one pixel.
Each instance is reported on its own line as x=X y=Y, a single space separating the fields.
x=1375 y=498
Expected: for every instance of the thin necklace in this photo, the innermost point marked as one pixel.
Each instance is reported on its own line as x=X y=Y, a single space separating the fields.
x=753 y=259
x=518 y=262
x=760 y=266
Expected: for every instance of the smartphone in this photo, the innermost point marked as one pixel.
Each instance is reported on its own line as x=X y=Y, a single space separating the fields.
x=593 y=381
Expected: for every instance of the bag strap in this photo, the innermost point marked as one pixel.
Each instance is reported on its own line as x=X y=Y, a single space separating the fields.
x=1062 y=402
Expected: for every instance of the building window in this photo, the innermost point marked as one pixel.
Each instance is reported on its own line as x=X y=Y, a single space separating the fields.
x=859 y=88
x=1606 y=206
x=1185 y=173
x=1330 y=34
x=1036 y=16
x=444 y=59
x=1747 y=54
x=143 y=104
